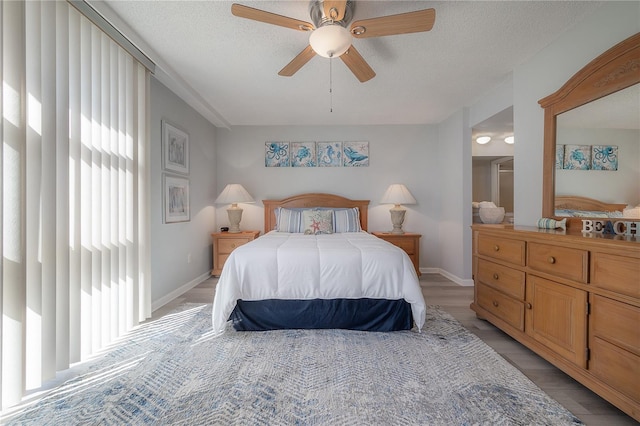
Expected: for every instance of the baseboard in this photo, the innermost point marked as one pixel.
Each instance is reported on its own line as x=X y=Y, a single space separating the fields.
x=460 y=281
x=179 y=291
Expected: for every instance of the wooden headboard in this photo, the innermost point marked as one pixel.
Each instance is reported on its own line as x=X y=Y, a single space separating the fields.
x=573 y=202
x=312 y=200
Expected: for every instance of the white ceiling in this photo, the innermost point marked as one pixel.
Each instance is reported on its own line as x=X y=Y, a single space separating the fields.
x=227 y=67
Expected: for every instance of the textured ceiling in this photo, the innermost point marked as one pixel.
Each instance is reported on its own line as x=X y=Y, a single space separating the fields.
x=227 y=67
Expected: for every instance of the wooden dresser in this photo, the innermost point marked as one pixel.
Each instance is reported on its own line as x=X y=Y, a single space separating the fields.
x=572 y=299
x=408 y=242
x=224 y=243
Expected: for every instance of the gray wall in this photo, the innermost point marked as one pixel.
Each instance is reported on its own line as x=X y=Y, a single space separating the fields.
x=433 y=161
x=398 y=154
x=171 y=244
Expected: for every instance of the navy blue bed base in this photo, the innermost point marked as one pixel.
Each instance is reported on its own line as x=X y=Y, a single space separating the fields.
x=351 y=314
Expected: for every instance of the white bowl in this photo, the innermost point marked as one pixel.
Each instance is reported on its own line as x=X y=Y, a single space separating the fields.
x=491 y=214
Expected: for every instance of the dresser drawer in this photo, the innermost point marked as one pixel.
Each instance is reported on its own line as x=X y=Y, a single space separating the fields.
x=616 y=322
x=617 y=367
x=503 y=278
x=504 y=307
x=227 y=245
x=512 y=251
x=559 y=261
x=616 y=273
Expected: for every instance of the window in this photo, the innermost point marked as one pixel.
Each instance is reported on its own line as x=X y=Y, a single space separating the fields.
x=74 y=272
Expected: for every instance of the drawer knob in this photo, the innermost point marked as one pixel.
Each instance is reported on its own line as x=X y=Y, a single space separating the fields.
x=496 y=247
x=528 y=305
x=495 y=276
x=495 y=303
x=552 y=259
x=233 y=245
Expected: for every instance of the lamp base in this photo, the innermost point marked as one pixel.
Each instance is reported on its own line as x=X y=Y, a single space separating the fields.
x=235 y=215
x=397 y=219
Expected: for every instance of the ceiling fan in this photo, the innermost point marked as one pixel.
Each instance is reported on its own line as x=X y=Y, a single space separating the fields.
x=329 y=34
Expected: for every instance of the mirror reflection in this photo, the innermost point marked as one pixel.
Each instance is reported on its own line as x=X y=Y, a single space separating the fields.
x=598 y=152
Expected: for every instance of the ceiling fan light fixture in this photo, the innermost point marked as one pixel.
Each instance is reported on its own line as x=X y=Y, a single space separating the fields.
x=330 y=41
x=483 y=140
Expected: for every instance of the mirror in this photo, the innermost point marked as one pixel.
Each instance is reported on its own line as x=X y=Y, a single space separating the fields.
x=614 y=121
x=608 y=87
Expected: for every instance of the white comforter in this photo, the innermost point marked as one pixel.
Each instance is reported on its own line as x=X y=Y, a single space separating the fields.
x=281 y=265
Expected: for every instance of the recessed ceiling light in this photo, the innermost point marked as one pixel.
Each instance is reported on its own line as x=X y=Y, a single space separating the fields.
x=509 y=140
x=483 y=140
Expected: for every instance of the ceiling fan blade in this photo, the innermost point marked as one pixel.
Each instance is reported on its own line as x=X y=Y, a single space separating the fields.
x=270 y=18
x=298 y=62
x=358 y=66
x=403 y=23
x=338 y=5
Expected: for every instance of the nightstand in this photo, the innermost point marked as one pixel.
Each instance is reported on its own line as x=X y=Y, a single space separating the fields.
x=224 y=243
x=408 y=242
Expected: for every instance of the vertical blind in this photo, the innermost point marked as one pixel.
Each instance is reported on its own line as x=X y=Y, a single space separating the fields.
x=74 y=271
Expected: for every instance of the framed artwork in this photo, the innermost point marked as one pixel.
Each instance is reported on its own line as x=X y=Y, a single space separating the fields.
x=355 y=154
x=175 y=149
x=176 y=199
x=303 y=154
x=559 y=156
x=577 y=157
x=329 y=154
x=276 y=154
x=604 y=157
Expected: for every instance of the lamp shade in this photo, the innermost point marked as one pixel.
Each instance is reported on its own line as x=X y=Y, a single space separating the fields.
x=234 y=193
x=397 y=194
x=330 y=40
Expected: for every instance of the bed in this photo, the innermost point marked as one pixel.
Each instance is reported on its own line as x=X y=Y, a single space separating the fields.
x=347 y=279
x=576 y=206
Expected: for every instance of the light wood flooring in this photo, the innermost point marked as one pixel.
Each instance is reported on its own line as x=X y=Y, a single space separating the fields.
x=455 y=299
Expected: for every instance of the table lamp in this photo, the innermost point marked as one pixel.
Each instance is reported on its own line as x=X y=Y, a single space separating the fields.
x=233 y=194
x=397 y=194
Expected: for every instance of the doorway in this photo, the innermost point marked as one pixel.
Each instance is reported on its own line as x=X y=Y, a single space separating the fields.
x=492 y=162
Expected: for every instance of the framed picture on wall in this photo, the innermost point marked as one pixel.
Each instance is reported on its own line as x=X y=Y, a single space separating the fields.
x=176 y=199
x=175 y=149
x=604 y=157
x=329 y=154
x=276 y=154
x=355 y=154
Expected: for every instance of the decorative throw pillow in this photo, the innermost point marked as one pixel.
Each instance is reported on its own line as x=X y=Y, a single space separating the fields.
x=317 y=221
x=288 y=220
x=346 y=220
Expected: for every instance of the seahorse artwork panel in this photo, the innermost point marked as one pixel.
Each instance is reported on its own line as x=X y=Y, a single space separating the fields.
x=276 y=154
x=329 y=154
x=604 y=157
x=577 y=157
x=559 y=156
x=355 y=154
x=303 y=154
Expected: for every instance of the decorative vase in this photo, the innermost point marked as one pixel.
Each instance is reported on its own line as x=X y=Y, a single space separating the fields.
x=491 y=214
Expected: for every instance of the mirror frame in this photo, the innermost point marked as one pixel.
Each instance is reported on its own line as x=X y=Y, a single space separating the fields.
x=614 y=70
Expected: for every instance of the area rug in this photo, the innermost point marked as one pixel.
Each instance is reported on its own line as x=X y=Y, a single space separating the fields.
x=173 y=371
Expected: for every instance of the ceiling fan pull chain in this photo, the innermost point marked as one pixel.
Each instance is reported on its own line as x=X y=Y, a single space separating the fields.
x=331 y=84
